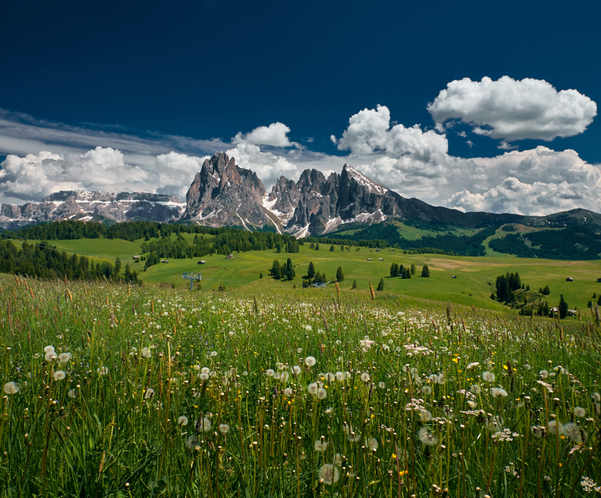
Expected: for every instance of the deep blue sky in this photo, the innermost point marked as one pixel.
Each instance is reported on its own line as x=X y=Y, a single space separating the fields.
x=212 y=68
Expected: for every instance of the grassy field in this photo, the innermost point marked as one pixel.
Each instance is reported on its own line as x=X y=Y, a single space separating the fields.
x=474 y=282
x=111 y=390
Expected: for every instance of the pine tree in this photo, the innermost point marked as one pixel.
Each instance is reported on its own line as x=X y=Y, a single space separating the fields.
x=339 y=274
x=354 y=284
x=331 y=248
x=275 y=271
x=563 y=307
x=412 y=269
x=425 y=271
x=381 y=285
x=311 y=271
x=394 y=270
x=289 y=272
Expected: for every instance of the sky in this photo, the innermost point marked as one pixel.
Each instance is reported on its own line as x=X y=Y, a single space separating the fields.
x=473 y=105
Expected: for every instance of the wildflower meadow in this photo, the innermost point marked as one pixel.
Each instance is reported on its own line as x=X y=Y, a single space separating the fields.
x=116 y=390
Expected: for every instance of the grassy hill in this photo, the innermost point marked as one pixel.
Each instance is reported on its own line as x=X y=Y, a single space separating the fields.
x=474 y=282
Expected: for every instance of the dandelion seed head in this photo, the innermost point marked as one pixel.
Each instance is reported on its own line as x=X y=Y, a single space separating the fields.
x=59 y=375
x=427 y=437
x=329 y=474
x=11 y=388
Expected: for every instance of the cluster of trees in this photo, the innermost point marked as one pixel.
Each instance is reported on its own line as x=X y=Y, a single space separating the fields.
x=506 y=285
x=225 y=241
x=130 y=230
x=282 y=271
x=45 y=261
x=372 y=243
x=315 y=277
x=512 y=291
x=400 y=271
x=407 y=272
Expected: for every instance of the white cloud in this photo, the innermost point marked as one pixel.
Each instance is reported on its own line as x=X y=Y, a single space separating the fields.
x=510 y=109
x=369 y=131
x=34 y=176
x=536 y=181
x=268 y=166
x=175 y=172
x=410 y=160
x=276 y=135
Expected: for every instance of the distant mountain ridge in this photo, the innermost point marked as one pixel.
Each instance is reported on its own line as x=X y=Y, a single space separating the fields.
x=343 y=205
x=93 y=206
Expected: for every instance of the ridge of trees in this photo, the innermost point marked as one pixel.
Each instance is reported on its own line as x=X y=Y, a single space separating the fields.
x=45 y=261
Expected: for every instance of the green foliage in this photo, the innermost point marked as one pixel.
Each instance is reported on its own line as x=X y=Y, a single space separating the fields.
x=506 y=286
x=380 y=285
x=578 y=242
x=563 y=307
x=45 y=261
x=425 y=271
x=339 y=274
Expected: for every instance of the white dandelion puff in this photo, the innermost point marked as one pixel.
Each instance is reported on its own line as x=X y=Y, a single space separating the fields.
x=488 y=377
x=329 y=474
x=59 y=375
x=11 y=388
x=427 y=437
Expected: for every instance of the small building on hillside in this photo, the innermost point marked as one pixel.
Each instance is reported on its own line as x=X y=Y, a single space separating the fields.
x=570 y=279
x=164 y=260
x=201 y=262
x=136 y=258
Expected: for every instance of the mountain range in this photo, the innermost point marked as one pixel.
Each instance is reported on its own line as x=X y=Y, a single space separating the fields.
x=341 y=205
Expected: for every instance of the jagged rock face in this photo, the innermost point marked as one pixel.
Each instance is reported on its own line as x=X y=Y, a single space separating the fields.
x=283 y=199
x=86 y=206
x=224 y=194
x=325 y=204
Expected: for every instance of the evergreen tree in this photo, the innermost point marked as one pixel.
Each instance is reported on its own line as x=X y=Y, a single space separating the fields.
x=289 y=272
x=381 y=285
x=331 y=248
x=354 y=286
x=563 y=307
x=311 y=271
x=425 y=271
x=394 y=270
x=339 y=274
x=275 y=270
x=412 y=269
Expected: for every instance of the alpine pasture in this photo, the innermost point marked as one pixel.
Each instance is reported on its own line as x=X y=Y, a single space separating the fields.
x=426 y=388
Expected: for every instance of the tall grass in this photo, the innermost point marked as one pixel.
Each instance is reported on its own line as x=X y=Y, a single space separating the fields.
x=173 y=393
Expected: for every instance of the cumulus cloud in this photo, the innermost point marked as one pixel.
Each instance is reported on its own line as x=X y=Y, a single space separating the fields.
x=268 y=166
x=275 y=135
x=536 y=181
x=510 y=109
x=34 y=176
x=411 y=160
x=369 y=131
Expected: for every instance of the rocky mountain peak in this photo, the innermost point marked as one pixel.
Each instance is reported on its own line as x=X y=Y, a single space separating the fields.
x=222 y=193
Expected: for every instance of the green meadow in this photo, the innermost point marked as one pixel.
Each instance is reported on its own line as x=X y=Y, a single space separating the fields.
x=473 y=283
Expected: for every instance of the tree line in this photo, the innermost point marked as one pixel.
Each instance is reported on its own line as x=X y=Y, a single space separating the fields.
x=45 y=261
